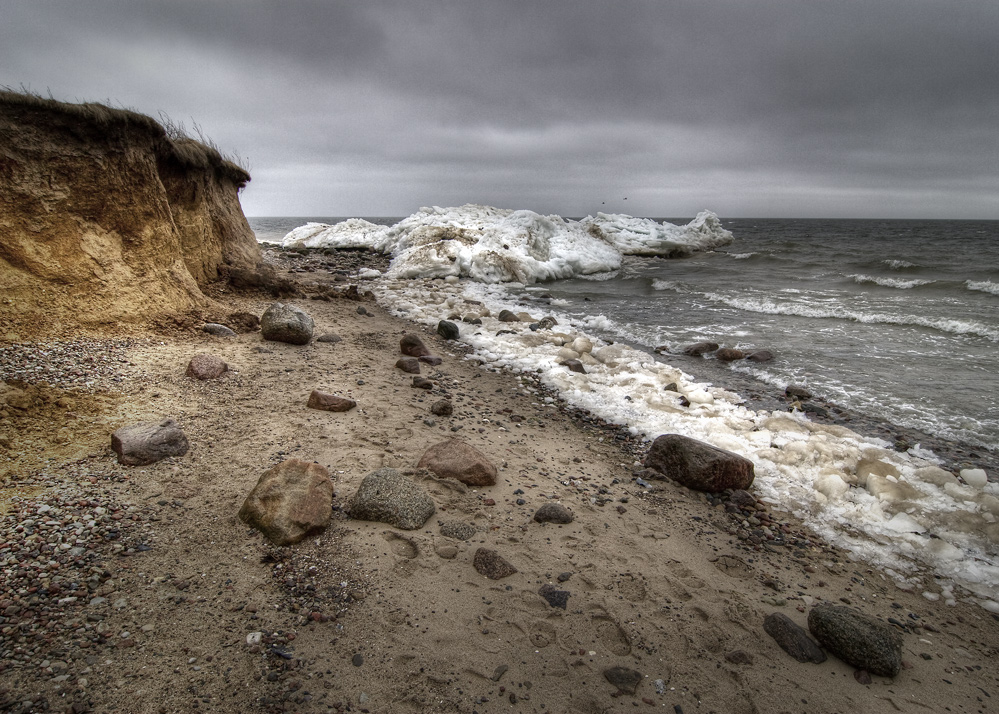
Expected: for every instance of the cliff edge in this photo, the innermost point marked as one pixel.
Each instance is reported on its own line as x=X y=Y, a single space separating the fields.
x=105 y=219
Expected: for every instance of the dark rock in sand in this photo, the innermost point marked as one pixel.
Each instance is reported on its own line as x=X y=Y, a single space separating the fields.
x=491 y=564
x=760 y=356
x=729 y=354
x=698 y=465
x=459 y=460
x=408 y=364
x=797 y=392
x=389 y=497
x=507 y=316
x=442 y=407
x=700 y=348
x=554 y=596
x=459 y=530
x=413 y=346
x=206 y=367
x=574 y=365
x=743 y=499
x=330 y=337
x=214 y=328
x=553 y=513
x=286 y=323
x=792 y=638
x=422 y=383
x=857 y=639
x=143 y=444
x=432 y=360
x=290 y=501
x=329 y=402
x=448 y=330
x=626 y=680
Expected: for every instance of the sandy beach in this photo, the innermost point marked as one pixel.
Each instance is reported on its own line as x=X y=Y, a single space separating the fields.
x=169 y=603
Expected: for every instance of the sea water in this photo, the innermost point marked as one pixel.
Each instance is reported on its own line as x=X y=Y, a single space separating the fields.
x=895 y=319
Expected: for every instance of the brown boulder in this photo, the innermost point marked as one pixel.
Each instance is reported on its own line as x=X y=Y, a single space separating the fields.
x=413 y=346
x=290 y=501
x=206 y=367
x=699 y=466
x=461 y=461
x=142 y=444
x=329 y=402
x=574 y=365
x=729 y=354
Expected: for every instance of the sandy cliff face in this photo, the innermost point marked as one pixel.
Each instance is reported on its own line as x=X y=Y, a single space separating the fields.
x=104 y=219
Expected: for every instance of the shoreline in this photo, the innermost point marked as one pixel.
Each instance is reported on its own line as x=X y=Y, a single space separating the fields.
x=757 y=394
x=663 y=581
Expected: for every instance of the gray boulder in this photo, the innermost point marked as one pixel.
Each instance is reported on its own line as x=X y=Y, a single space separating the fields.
x=699 y=466
x=448 y=330
x=491 y=564
x=389 y=497
x=553 y=513
x=286 y=323
x=793 y=638
x=857 y=639
x=214 y=328
x=290 y=501
x=142 y=444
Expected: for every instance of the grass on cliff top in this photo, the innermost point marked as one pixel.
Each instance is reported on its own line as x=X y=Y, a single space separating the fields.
x=193 y=154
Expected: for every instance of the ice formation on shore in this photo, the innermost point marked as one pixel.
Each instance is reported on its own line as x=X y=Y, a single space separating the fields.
x=493 y=245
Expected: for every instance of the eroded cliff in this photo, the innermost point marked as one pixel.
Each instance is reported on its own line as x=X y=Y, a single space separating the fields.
x=104 y=219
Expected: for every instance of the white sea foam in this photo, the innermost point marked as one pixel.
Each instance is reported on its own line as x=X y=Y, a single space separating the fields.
x=985 y=286
x=890 y=282
x=837 y=311
x=899 y=264
x=495 y=245
x=898 y=511
x=741 y=256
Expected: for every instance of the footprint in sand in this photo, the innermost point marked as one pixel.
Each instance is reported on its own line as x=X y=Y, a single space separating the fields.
x=733 y=566
x=402 y=546
x=542 y=634
x=612 y=636
x=632 y=588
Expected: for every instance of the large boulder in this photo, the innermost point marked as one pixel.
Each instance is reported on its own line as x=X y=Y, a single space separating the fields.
x=699 y=466
x=459 y=460
x=142 y=444
x=388 y=496
x=290 y=501
x=286 y=323
x=857 y=639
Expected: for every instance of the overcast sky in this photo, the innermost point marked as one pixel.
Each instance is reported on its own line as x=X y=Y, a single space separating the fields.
x=797 y=108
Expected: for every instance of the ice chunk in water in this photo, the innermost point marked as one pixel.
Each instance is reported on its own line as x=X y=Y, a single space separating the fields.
x=975 y=478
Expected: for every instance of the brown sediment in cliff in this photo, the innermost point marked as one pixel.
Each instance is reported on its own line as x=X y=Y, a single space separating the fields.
x=106 y=220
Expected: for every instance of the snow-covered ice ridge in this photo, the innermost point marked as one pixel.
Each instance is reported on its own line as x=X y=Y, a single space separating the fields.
x=493 y=245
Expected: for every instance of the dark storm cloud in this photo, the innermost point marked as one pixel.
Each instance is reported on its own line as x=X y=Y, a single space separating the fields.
x=884 y=107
